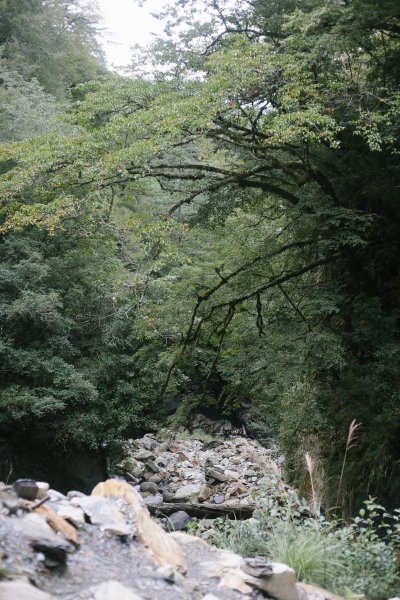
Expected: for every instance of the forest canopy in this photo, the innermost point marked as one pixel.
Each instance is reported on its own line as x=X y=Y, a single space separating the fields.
x=221 y=226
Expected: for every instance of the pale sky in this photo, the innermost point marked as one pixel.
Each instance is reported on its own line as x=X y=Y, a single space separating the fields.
x=125 y=24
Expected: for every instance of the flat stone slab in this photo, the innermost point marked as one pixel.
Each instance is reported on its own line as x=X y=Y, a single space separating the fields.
x=187 y=491
x=102 y=512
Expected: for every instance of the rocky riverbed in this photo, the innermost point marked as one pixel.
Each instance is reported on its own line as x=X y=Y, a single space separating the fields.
x=206 y=479
x=107 y=546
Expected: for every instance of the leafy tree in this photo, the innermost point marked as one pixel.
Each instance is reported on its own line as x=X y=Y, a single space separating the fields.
x=277 y=145
x=55 y=41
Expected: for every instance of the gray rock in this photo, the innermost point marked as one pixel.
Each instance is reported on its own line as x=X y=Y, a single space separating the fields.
x=103 y=512
x=144 y=455
x=151 y=466
x=55 y=549
x=219 y=499
x=42 y=539
x=177 y=521
x=250 y=473
x=280 y=582
x=232 y=475
x=73 y=514
x=168 y=495
x=149 y=486
x=9 y=499
x=257 y=567
x=138 y=470
x=26 y=488
x=153 y=500
x=185 y=456
x=155 y=478
x=217 y=475
x=32 y=526
x=21 y=590
x=187 y=491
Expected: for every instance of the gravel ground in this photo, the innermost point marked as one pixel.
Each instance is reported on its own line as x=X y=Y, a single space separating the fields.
x=103 y=557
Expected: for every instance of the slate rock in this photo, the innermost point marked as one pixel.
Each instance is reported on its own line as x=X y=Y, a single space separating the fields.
x=177 y=521
x=26 y=488
x=280 y=583
x=257 y=567
x=55 y=549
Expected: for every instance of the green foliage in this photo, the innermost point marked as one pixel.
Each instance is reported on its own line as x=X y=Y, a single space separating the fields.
x=69 y=369
x=54 y=41
x=249 y=189
x=359 y=557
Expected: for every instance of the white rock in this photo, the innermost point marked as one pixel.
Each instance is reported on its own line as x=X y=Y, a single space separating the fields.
x=20 y=590
x=73 y=514
x=113 y=590
x=43 y=489
x=104 y=513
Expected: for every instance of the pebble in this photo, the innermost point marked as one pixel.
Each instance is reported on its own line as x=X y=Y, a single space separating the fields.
x=219 y=499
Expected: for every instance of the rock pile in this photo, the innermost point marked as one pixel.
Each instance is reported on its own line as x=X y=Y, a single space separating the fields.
x=106 y=546
x=221 y=477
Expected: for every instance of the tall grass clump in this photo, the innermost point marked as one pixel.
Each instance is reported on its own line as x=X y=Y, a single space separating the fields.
x=350 y=442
